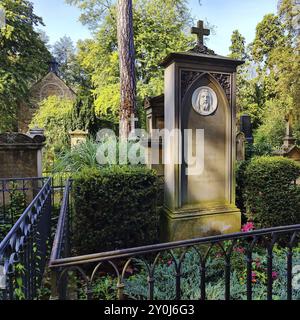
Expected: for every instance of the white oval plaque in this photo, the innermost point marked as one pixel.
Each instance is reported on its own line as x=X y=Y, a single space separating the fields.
x=204 y=101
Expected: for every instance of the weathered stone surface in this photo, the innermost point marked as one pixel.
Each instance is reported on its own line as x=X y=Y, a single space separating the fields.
x=21 y=155
x=78 y=136
x=184 y=225
x=240 y=146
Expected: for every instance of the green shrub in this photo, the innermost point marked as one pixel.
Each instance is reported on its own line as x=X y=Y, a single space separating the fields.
x=272 y=197
x=115 y=208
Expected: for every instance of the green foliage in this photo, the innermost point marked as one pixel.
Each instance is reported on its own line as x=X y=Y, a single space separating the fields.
x=273 y=199
x=83 y=113
x=269 y=35
x=115 y=208
x=164 y=285
x=272 y=130
x=23 y=59
x=65 y=55
x=17 y=204
x=153 y=41
x=13 y=210
x=269 y=82
x=249 y=95
x=75 y=159
x=90 y=154
x=276 y=54
x=19 y=271
x=237 y=48
x=54 y=116
x=102 y=288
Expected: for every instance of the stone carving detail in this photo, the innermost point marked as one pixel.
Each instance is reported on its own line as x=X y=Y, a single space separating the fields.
x=201 y=48
x=224 y=81
x=188 y=77
x=204 y=101
x=20 y=138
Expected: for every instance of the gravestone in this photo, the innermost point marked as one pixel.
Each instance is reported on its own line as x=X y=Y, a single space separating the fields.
x=240 y=146
x=289 y=149
x=200 y=94
x=77 y=137
x=21 y=154
x=246 y=127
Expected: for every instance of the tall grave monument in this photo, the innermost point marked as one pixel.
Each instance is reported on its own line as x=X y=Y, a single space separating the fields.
x=200 y=95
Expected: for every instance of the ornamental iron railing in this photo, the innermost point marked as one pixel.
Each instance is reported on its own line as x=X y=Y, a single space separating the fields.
x=245 y=263
x=15 y=195
x=23 y=250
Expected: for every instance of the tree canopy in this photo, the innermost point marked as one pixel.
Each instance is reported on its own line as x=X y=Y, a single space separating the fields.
x=159 y=28
x=269 y=82
x=23 y=58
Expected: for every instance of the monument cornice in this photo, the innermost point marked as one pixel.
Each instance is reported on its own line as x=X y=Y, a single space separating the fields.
x=20 y=141
x=200 y=58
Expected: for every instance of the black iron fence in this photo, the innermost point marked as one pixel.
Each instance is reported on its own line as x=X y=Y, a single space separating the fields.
x=24 y=248
x=260 y=264
x=59 y=180
x=15 y=195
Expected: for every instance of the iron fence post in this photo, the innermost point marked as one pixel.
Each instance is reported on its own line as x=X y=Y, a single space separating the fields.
x=54 y=285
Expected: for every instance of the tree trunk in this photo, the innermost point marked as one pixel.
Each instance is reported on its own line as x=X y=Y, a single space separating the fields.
x=127 y=67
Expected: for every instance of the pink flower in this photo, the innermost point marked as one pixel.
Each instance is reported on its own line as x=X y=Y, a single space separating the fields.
x=249 y=226
x=253 y=274
x=169 y=262
x=257 y=262
x=239 y=250
x=274 y=275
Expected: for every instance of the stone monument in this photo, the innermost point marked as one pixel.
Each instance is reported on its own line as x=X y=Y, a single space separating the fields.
x=21 y=154
x=77 y=137
x=200 y=95
x=289 y=149
x=240 y=146
x=246 y=127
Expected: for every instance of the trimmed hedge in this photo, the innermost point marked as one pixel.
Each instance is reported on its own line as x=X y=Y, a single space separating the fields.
x=115 y=208
x=272 y=197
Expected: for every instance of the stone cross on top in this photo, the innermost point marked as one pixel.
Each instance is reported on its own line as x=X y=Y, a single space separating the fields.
x=200 y=32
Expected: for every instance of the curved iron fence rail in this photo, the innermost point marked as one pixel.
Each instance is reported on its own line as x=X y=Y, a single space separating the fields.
x=23 y=251
x=87 y=267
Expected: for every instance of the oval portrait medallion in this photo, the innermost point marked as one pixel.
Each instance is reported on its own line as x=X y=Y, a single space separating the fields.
x=204 y=101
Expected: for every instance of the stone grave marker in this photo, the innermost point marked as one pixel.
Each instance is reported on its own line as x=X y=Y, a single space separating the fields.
x=200 y=98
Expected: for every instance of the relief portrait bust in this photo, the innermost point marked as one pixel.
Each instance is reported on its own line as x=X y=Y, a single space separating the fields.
x=204 y=101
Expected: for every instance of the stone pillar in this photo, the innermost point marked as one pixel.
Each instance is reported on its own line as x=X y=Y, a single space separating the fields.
x=78 y=136
x=21 y=154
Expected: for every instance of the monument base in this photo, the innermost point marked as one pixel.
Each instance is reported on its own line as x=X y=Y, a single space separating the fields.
x=188 y=223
